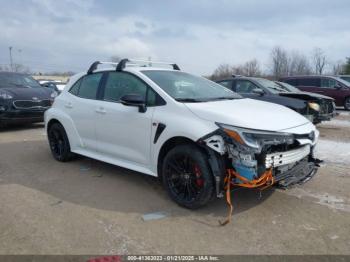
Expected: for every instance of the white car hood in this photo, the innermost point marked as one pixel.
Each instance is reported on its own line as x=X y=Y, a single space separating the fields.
x=249 y=113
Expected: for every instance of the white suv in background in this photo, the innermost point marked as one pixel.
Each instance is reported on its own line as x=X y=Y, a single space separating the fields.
x=183 y=128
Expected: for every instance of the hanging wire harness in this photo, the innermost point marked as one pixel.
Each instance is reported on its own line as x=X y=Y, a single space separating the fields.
x=265 y=181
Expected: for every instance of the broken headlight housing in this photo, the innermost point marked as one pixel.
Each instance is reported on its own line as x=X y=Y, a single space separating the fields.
x=256 y=138
x=314 y=106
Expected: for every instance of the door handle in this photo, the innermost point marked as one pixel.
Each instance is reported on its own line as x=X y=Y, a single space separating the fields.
x=101 y=110
x=68 y=105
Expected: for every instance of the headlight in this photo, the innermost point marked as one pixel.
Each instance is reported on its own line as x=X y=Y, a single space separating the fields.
x=314 y=106
x=54 y=94
x=5 y=95
x=256 y=138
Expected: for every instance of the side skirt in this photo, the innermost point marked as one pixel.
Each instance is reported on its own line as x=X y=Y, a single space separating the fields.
x=116 y=162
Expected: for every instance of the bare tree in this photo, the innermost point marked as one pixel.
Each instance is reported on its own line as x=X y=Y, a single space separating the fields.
x=222 y=71
x=319 y=60
x=298 y=64
x=346 y=68
x=279 y=61
x=19 y=68
x=59 y=73
x=238 y=70
x=6 y=68
x=337 y=68
x=252 y=68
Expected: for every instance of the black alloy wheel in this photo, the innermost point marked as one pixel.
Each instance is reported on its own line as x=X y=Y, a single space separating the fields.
x=59 y=143
x=187 y=176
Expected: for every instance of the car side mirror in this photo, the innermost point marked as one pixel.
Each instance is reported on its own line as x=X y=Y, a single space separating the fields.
x=134 y=100
x=258 y=91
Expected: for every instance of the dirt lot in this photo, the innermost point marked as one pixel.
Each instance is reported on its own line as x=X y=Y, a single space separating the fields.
x=89 y=207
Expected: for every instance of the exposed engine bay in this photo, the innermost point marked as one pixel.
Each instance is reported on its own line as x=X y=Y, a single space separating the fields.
x=252 y=154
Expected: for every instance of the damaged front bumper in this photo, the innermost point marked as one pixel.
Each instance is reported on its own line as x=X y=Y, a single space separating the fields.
x=292 y=167
x=253 y=153
x=300 y=173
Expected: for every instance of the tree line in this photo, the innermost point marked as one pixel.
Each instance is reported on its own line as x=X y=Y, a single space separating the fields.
x=19 y=68
x=285 y=63
x=281 y=63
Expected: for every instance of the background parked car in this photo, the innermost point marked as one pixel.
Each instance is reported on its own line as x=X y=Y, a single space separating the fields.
x=52 y=85
x=266 y=90
x=22 y=99
x=327 y=104
x=335 y=87
x=56 y=85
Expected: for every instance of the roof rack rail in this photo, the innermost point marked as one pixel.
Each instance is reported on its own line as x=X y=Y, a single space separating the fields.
x=123 y=63
x=94 y=65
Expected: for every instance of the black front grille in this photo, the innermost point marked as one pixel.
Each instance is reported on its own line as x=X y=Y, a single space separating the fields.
x=31 y=104
x=327 y=107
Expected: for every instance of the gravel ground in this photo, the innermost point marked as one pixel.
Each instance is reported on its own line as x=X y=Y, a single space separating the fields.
x=89 y=207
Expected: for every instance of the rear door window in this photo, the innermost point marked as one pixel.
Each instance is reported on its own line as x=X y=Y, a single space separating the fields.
x=75 y=88
x=309 y=81
x=89 y=86
x=293 y=82
x=328 y=83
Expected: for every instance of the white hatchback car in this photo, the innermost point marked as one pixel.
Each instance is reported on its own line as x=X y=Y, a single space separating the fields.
x=185 y=129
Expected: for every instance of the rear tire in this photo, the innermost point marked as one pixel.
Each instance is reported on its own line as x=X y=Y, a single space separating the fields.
x=187 y=177
x=59 y=143
x=347 y=103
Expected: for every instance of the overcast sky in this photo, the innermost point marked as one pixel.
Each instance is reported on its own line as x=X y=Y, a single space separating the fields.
x=198 y=35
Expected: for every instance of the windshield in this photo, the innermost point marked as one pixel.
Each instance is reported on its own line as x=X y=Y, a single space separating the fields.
x=17 y=80
x=185 y=87
x=271 y=86
x=288 y=87
x=344 y=82
x=346 y=78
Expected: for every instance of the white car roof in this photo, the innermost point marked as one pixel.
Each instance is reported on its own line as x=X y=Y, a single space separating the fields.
x=133 y=66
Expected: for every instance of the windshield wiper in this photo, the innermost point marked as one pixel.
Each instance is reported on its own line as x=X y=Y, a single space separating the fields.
x=223 y=98
x=193 y=100
x=277 y=89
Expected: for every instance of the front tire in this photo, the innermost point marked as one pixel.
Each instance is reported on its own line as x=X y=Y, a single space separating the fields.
x=187 y=177
x=59 y=143
x=347 y=103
